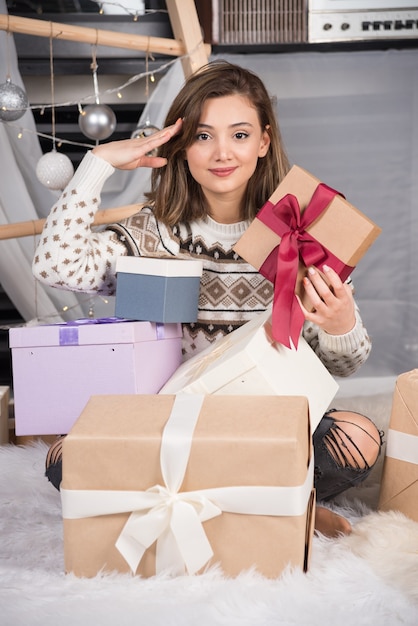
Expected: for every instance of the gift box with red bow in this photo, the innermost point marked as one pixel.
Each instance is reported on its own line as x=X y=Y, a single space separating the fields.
x=314 y=225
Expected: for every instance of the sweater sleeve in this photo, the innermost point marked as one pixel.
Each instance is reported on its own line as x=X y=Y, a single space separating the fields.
x=342 y=355
x=69 y=254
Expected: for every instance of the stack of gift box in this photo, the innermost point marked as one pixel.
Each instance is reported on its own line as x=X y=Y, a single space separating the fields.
x=57 y=367
x=246 y=474
x=216 y=465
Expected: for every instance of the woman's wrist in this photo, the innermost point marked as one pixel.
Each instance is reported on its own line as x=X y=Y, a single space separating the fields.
x=346 y=342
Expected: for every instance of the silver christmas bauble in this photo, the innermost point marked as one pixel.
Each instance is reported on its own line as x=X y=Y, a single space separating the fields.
x=145 y=130
x=54 y=170
x=13 y=102
x=97 y=121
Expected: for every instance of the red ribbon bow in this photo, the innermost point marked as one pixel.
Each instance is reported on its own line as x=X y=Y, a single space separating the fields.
x=281 y=265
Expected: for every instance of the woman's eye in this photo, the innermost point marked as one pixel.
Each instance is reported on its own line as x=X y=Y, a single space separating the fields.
x=241 y=135
x=202 y=137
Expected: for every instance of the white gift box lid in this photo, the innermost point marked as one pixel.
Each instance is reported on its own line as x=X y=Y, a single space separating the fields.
x=155 y=266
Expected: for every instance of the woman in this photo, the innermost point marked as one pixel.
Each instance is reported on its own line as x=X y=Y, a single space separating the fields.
x=220 y=157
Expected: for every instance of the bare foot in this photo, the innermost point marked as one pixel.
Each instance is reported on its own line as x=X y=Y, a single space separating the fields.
x=331 y=524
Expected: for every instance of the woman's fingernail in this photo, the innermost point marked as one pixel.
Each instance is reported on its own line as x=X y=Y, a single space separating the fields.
x=326 y=268
x=311 y=271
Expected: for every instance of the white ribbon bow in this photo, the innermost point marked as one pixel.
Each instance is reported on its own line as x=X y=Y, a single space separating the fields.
x=174 y=519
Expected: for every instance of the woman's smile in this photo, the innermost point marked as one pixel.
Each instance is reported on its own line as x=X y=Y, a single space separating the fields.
x=222 y=171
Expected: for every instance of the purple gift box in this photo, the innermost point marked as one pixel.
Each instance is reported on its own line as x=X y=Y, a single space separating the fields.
x=56 y=368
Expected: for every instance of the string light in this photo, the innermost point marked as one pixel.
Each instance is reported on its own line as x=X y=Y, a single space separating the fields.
x=58 y=314
x=78 y=103
x=162 y=68
x=148 y=75
x=151 y=74
x=46 y=136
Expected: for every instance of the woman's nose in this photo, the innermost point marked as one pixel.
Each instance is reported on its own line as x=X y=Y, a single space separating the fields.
x=222 y=150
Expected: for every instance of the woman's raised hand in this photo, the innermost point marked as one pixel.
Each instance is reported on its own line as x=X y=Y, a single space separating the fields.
x=128 y=154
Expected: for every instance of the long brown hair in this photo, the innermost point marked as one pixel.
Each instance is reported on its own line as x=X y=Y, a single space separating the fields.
x=175 y=195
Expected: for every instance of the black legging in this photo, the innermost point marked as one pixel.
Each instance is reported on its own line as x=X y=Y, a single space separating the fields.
x=335 y=473
x=331 y=477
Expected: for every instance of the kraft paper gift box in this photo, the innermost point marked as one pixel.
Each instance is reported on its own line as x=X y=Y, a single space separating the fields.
x=56 y=368
x=158 y=289
x=250 y=362
x=314 y=225
x=399 y=484
x=179 y=483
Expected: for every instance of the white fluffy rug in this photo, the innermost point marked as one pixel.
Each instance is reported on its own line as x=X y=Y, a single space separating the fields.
x=368 y=578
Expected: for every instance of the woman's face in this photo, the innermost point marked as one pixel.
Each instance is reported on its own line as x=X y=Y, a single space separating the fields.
x=229 y=141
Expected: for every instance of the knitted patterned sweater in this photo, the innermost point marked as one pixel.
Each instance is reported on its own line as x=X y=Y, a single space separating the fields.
x=71 y=255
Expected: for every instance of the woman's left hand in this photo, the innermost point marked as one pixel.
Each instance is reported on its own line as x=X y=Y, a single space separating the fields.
x=333 y=305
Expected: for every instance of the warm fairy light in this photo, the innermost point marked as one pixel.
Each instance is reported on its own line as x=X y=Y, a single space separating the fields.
x=118 y=90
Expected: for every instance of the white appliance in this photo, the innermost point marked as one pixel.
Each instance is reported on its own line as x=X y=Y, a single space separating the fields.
x=360 y=20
